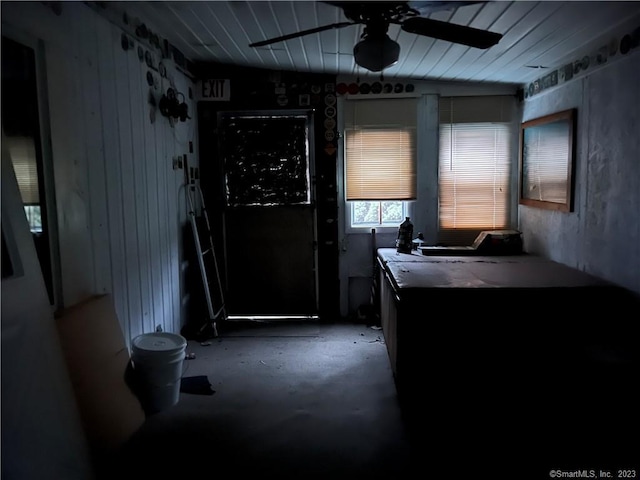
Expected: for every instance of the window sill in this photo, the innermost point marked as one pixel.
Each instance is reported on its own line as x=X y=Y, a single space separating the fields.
x=367 y=230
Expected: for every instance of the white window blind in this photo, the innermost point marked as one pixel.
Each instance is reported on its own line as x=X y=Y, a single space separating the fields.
x=381 y=164
x=23 y=156
x=380 y=152
x=475 y=162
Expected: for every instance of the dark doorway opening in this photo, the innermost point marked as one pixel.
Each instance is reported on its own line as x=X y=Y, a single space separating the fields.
x=22 y=134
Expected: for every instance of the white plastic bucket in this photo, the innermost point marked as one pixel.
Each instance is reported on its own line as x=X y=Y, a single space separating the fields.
x=157 y=362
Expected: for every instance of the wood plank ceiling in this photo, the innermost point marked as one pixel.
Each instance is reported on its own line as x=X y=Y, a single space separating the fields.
x=536 y=35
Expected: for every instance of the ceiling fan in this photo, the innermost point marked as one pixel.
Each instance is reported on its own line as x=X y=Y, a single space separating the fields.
x=376 y=51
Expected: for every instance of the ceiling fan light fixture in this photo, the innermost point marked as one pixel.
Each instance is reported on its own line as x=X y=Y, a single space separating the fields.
x=376 y=53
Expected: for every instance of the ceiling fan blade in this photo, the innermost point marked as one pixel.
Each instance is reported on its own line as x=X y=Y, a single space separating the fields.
x=301 y=33
x=451 y=32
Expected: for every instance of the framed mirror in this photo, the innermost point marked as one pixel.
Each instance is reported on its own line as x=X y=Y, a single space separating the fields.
x=547 y=161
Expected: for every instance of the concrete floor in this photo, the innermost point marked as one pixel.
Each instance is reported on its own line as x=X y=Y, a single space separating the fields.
x=319 y=401
x=322 y=404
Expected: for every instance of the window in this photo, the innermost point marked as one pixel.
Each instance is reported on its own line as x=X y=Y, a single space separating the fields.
x=378 y=213
x=34 y=217
x=474 y=172
x=23 y=156
x=254 y=174
x=380 y=161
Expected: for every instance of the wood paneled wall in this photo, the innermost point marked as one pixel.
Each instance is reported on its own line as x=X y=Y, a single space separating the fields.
x=120 y=203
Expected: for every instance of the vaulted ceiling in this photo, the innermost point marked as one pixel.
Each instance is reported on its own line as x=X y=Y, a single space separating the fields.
x=536 y=35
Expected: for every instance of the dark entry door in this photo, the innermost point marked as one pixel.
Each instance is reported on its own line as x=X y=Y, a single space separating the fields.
x=269 y=215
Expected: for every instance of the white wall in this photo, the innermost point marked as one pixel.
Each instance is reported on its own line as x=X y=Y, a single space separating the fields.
x=602 y=235
x=120 y=203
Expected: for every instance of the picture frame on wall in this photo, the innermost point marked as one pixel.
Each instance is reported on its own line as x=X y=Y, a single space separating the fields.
x=547 y=161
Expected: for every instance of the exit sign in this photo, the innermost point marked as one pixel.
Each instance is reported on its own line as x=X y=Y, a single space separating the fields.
x=215 y=89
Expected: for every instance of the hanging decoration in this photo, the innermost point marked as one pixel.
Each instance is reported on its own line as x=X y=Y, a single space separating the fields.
x=170 y=106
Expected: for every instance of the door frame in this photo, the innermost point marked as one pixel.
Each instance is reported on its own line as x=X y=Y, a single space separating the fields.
x=308 y=114
x=46 y=150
